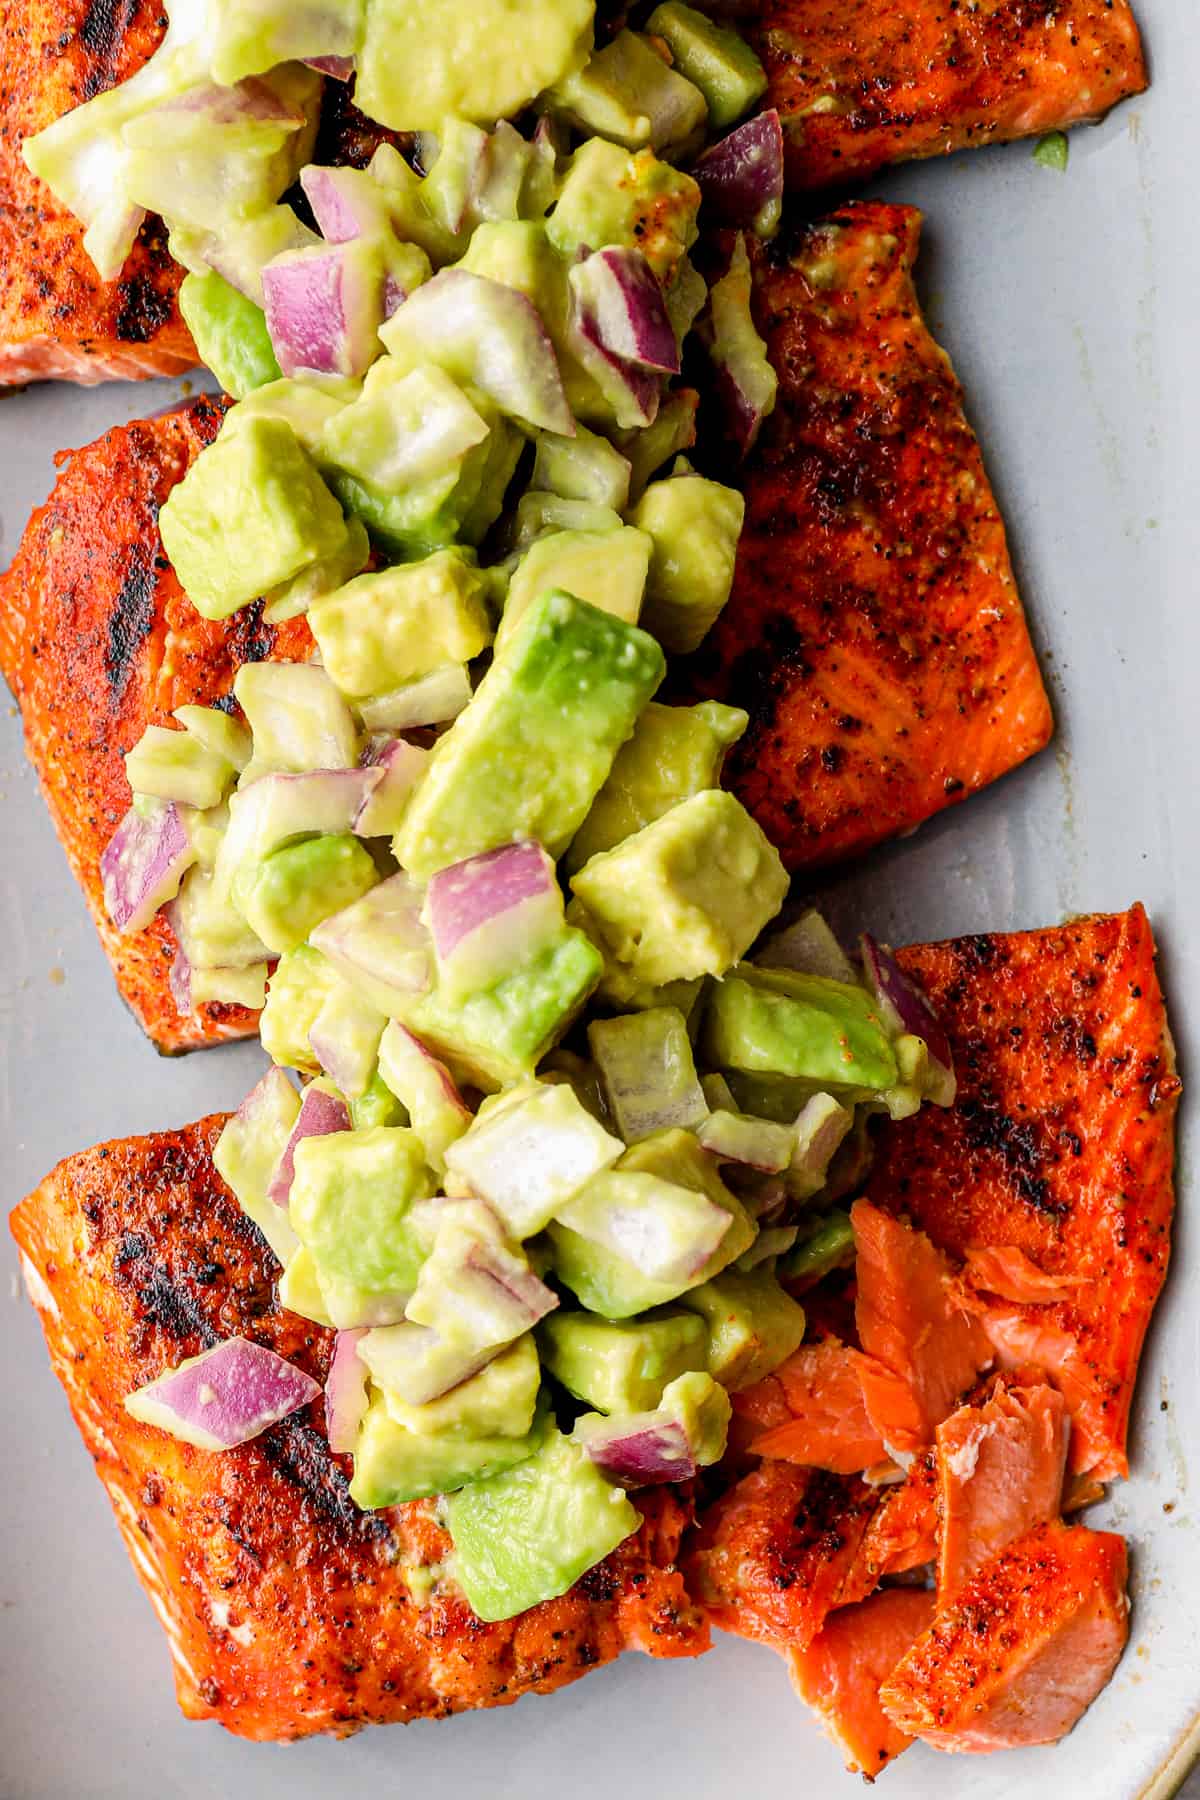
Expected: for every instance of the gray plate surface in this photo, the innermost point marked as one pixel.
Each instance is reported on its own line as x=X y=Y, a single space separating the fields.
x=1068 y=303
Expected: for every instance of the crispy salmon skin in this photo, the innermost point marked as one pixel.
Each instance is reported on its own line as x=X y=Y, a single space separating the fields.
x=97 y=641
x=57 y=317
x=859 y=85
x=287 y=1610
x=874 y=634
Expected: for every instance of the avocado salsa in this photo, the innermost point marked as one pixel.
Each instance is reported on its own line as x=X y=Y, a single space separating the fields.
x=566 y=1146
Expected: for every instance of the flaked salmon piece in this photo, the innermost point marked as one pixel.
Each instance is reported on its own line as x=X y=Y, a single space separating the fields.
x=840 y=1673
x=779 y=1551
x=812 y=1411
x=97 y=641
x=874 y=634
x=1005 y=1270
x=1021 y=1654
x=1000 y=1472
x=860 y=86
x=1060 y=1144
x=903 y=1531
x=287 y=1610
x=922 y=1348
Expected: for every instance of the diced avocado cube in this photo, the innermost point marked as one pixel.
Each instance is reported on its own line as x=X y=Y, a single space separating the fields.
x=753 y=1326
x=650 y=1080
x=675 y=752
x=251 y=39
x=300 y=1290
x=528 y=1535
x=218 y=733
x=688 y=894
x=631 y=95
x=230 y=333
x=499 y=1037
x=296 y=992
x=399 y=623
x=828 y=1246
x=531 y=751
x=351 y=1205
x=173 y=765
x=248 y=1149
x=294 y=597
x=250 y=512
x=612 y=197
x=421 y=65
x=232 y=987
x=289 y=892
x=619 y=988
x=377 y=1106
x=212 y=933
x=537 y=514
x=606 y=568
x=694 y=525
x=701 y=1406
x=774 y=1022
x=622 y=1365
x=460 y=504
x=393 y=1464
x=719 y=62
x=609 y=1284
x=498 y=1402
x=408 y=426
x=583 y=467
x=307 y=406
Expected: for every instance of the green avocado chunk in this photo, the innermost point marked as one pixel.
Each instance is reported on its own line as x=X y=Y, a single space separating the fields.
x=694 y=525
x=612 y=197
x=777 y=1023
x=528 y=1535
x=397 y=624
x=498 y=1037
x=830 y=1245
x=307 y=406
x=230 y=333
x=247 y=1152
x=528 y=756
x=719 y=62
x=609 y=1284
x=393 y=1464
x=688 y=894
x=377 y=1106
x=753 y=1326
x=498 y=1402
x=675 y=752
x=250 y=513
x=289 y=892
x=296 y=992
x=631 y=95
x=605 y=568
x=351 y=1204
x=622 y=1365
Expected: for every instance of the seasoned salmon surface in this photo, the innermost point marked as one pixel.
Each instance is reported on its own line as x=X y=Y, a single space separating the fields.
x=840 y=1673
x=97 y=641
x=874 y=635
x=859 y=85
x=287 y=1610
x=1020 y=1656
x=1060 y=1145
x=811 y=1410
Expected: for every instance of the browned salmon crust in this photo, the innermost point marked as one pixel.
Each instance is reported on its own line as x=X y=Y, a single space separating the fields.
x=286 y=1609
x=97 y=641
x=875 y=634
x=860 y=86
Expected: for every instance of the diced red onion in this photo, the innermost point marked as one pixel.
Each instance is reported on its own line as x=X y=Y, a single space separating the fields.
x=380 y=944
x=745 y=383
x=416 y=1364
x=475 y=1290
x=619 y=292
x=321 y=1114
x=669 y=1237
x=426 y=1089
x=489 y=334
x=432 y=699
x=638 y=1451
x=757 y=1143
x=633 y=393
x=650 y=1080
x=808 y=946
x=401 y=766
x=492 y=911
x=252 y=101
x=902 y=1003
x=346 y=203
x=345 y=1391
x=741 y=176
x=225 y=1396
x=324 y=307
x=530 y=1153
x=143 y=864
x=338 y=68
x=820 y=1128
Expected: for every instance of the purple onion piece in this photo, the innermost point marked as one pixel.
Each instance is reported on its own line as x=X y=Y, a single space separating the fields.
x=398 y=767
x=225 y=1396
x=345 y=1391
x=741 y=176
x=346 y=203
x=324 y=307
x=903 y=1004
x=339 y=68
x=491 y=911
x=143 y=864
x=321 y=1114
x=251 y=101
x=670 y=1239
x=640 y=1451
x=380 y=944
x=619 y=292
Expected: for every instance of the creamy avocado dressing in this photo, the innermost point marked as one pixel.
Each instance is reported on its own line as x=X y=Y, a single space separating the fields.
x=562 y=1149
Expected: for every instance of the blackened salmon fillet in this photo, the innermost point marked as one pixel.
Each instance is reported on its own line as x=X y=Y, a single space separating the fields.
x=287 y=1610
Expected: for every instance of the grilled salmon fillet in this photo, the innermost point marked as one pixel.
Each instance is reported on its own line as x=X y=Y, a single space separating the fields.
x=859 y=85
x=97 y=641
x=287 y=1610
x=1060 y=1145
x=874 y=634
x=840 y=1673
